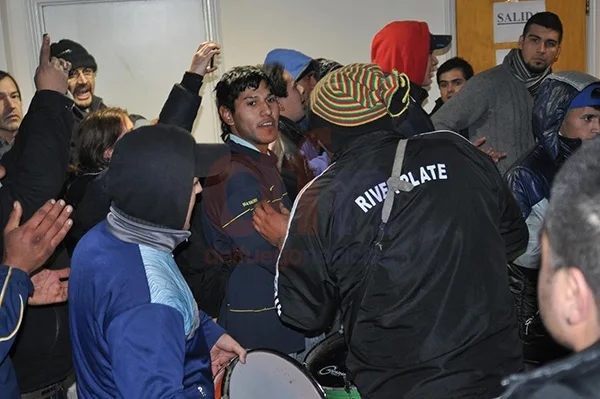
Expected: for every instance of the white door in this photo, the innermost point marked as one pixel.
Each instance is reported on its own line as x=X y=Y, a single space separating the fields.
x=141 y=47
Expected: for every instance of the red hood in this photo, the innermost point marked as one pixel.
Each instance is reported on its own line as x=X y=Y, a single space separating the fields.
x=404 y=46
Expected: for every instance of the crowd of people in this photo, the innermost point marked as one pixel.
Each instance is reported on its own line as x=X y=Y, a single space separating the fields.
x=456 y=252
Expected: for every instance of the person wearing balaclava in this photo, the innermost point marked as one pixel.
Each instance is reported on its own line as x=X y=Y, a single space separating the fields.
x=407 y=47
x=496 y=105
x=135 y=326
x=424 y=296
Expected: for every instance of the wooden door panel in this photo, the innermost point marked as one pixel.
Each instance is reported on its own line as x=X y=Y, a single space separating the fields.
x=475 y=33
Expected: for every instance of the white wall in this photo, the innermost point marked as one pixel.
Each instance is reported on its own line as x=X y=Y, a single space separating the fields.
x=15 y=27
x=249 y=29
x=338 y=29
x=3 y=63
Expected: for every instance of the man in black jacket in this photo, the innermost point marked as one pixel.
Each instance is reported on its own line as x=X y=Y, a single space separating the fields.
x=426 y=307
x=35 y=172
x=569 y=286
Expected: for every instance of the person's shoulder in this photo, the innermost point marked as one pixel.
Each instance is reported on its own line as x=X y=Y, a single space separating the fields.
x=98 y=248
x=577 y=376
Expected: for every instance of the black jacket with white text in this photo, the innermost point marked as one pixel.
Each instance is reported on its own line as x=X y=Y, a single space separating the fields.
x=437 y=319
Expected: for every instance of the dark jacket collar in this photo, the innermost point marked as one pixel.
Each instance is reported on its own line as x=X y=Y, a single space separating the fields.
x=438 y=105
x=249 y=153
x=291 y=130
x=418 y=93
x=540 y=375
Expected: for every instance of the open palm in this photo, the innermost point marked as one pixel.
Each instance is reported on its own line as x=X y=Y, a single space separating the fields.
x=48 y=287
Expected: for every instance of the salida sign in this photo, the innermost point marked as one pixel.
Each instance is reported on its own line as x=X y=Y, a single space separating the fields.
x=510 y=18
x=513 y=18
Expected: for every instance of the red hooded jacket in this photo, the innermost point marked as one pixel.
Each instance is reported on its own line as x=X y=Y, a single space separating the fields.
x=404 y=46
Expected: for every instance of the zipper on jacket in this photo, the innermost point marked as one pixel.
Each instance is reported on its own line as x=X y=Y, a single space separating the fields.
x=529 y=321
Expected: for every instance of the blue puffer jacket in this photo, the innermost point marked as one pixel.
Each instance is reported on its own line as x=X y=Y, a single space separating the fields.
x=531 y=176
x=530 y=180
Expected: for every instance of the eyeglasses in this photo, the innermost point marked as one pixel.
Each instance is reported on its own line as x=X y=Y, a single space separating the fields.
x=86 y=72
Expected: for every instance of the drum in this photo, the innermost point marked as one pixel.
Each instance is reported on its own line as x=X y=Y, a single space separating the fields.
x=326 y=362
x=266 y=374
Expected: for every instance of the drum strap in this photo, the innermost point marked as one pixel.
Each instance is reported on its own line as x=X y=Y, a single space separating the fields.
x=395 y=186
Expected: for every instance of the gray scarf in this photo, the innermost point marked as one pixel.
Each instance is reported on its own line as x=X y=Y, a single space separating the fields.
x=532 y=80
x=136 y=232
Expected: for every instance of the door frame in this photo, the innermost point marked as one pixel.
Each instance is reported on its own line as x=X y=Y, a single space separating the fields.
x=593 y=31
x=35 y=10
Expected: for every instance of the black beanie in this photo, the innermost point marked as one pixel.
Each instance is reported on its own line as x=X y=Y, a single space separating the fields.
x=151 y=171
x=74 y=53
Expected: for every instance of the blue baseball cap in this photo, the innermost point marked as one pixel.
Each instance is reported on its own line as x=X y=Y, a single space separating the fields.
x=588 y=97
x=294 y=62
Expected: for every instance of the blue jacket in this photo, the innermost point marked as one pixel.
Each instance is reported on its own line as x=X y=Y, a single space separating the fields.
x=136 y=330
x=248 y=312
x=530 y=178
x=15 y=288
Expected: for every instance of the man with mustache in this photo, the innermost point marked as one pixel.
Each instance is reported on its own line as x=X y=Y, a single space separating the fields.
x=11 y=111
x=82 y=83
x=82 y=77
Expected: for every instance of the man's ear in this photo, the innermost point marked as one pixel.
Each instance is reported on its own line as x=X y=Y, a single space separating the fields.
x=226 y=115
x=108 y=153
x=521 y=41
x=580 y=297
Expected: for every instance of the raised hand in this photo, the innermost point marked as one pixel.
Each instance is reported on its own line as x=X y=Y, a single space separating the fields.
x=29 y=246
x=202 y=56
x=51 y=74
x=49 y=286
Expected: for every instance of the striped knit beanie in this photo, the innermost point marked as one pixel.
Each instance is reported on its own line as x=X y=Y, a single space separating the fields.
x=358 y=94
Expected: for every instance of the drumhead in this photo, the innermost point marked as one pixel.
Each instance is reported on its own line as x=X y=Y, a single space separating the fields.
x=270 y=374
x=326 y=362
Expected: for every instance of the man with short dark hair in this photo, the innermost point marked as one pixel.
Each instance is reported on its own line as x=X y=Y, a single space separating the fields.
x=496 y=105
x=569 y=283
x=11 y=111
x=565 y=116
x=451 y=76
x=249 y=115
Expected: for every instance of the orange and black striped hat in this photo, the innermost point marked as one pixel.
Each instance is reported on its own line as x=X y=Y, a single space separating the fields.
x=357 y=94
